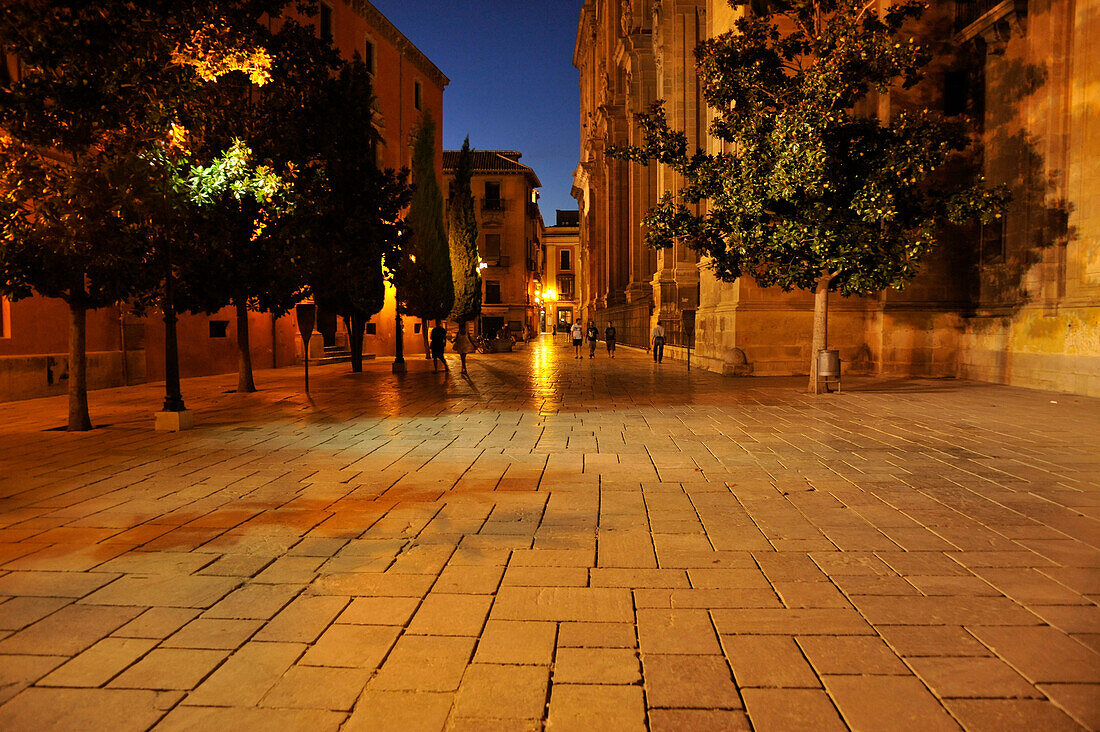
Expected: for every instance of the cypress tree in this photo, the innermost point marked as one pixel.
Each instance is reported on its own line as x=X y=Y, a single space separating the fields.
x=463 y=241
x=427 y=289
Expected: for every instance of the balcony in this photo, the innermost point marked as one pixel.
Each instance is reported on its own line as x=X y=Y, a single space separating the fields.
x=492 y=204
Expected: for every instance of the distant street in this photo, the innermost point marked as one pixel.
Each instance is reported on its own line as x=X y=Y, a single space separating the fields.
x=551 y=542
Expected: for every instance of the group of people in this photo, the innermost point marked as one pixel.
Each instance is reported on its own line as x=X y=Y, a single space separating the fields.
x=592 y=335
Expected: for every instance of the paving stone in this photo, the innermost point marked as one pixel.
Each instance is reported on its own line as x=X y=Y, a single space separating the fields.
x=717 y=720
x=518 y=642
x=689 y=682
x=852 y=654
x=578 y=708
x=19 y=672
x=77 y=709
x=164 y=591
x=932 y=640
x=100 y=663
x=379 y=610
x=309 y=687
x=791 y=709
x=768 y=661
x=19 y=612
x=493 y=692
x=69 y=630
x=213 y=633
x=254 y=602
x=352 y=646
x=676 y=631
x=53 y=584
x=169 y=668
x=887 y=702
x=291 y=720
x=1004 y=715
x=1041 y=654
x=442 y=614
x=1079 y=700
x=247 y=675
x=424 y=663
x=580 y=604
x=157 y=622
x=400 y=711
x=597 y=635
x=972 y=678
x=303 y=620
x=596 y=666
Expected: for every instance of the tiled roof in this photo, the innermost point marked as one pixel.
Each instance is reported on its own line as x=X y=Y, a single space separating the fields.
x=492 y=161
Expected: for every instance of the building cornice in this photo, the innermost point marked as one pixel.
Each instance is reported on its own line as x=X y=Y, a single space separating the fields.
x=382 y=24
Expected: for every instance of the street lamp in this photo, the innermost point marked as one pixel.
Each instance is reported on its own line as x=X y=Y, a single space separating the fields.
x=551 y=296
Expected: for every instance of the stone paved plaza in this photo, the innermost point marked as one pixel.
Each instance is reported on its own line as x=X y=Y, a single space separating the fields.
x=575 y=545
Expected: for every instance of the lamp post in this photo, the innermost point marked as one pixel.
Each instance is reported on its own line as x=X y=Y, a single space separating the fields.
x=551 y=296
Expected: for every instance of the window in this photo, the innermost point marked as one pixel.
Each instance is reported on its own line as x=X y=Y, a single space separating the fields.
x=993 y=240
x=956 y=92
x=566 y=260
x=218 y=328
x=372 y=328
x=492 y=192
x=368 y=55
x=565 y=287
x=492 y=292
x=565 y=319
x=416 y=327
x=418 y=95
x=325 y=22
x=5 y=318
x=492 y=246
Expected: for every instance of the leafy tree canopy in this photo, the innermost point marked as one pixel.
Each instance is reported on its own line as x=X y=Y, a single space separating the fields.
x=462 y=236
x=811 y=186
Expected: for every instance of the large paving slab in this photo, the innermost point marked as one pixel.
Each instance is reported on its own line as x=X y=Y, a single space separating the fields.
x=555 y=543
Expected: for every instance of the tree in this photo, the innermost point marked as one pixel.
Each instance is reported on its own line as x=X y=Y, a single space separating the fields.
x=256 y=270
x=427 y=288
x=62 y=236
x=242 y=263
x=462 y=237
x=347 y=220
x=815 y=193
x=98 y=83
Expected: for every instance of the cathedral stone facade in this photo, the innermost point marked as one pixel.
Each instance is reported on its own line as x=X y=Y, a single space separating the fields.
x=1016 y=303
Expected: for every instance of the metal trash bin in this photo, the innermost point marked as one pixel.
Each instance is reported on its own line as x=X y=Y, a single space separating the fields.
x=828 y=367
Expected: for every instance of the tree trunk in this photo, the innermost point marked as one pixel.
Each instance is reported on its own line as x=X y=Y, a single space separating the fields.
x=821 y=327
x=79 y=419
x=173 y=398
x=424 y=332
x=355 y=335
x=245 y=382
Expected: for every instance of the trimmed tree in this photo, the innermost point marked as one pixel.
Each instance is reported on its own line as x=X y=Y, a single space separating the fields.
x=97 y=84
x=427 y=287
x=462 y=238
x=61 y=235
x=816 y=193
x=347 y=221
x=256 y=271
x=242 y=264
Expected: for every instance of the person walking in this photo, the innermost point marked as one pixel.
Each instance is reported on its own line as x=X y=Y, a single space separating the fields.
x=437 y=342
x=593 y=337
x=657 y=336
x=609 y=339
x=577 y=333
x=463 y=345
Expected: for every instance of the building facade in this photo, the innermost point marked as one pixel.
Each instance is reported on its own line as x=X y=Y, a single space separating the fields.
x=563 y=273
x=1018 y=303
x=510 y=233
x=123 y=349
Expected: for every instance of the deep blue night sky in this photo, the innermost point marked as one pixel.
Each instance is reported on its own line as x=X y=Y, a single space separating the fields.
x=513 y=85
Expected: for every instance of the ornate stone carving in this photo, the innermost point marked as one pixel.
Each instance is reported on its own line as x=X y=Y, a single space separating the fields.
x=627 y=19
